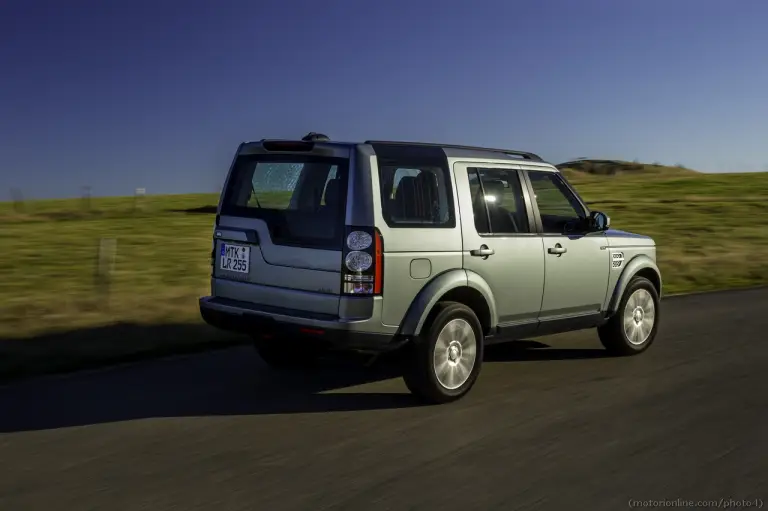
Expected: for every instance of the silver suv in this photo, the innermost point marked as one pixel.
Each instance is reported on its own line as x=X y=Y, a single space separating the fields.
x=436 y=249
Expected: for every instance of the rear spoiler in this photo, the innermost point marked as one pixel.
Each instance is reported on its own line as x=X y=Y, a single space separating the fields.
x=307 y=143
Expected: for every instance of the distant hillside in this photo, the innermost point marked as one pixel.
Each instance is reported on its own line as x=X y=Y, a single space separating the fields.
x=619 y=167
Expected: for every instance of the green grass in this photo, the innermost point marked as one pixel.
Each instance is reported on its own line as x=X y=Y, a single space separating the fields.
x=710 y=229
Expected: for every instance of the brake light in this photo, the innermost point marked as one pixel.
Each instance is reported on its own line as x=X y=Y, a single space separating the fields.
x=362 y=267
x=378 y=261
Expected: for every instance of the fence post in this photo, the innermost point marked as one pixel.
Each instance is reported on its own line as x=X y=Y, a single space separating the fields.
x=138 y=199
x=86 y=199
x=105 y=267
x=18 y=200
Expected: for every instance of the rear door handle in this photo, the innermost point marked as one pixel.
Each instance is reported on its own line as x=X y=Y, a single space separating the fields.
x=483 y=251
x=557 y=249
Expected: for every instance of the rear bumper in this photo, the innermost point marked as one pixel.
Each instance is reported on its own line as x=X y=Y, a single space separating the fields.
x=250 y=319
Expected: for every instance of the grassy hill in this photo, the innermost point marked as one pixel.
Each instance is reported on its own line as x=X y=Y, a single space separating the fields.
x=620 y=168
x=710 y=229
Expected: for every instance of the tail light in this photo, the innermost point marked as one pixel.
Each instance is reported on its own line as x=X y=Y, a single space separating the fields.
x=362 y=267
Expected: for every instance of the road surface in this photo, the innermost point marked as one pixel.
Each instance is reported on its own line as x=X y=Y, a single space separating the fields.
x=559 y=427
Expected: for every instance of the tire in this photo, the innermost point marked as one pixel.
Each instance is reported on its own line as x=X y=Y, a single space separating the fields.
x=620 y=341
x=279 y=353
x=425 y=352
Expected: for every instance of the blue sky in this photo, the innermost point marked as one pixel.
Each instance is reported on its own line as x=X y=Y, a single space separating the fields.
x=123 y=94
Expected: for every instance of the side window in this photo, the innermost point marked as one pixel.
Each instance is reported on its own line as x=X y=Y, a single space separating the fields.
x=416 y=196
x=559 y=208
x=497 y=201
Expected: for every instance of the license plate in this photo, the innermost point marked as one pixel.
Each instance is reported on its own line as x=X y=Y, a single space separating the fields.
x=235 y=258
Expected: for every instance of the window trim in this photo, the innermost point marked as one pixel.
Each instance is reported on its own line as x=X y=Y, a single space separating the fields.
x=532 y=197
x=532 y=225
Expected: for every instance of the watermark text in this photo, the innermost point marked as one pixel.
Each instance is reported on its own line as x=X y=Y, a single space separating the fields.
x=724 y=503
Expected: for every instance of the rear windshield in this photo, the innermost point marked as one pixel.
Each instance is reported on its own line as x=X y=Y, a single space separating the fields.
x=301 y=198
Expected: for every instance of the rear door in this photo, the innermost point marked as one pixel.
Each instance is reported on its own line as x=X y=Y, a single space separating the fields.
x=500 y=243
x=280 y=231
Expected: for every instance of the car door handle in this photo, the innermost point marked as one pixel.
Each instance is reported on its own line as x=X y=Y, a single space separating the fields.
x=557 y=249
x=483 y=251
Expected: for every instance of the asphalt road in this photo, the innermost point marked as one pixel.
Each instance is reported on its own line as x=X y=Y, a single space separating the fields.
x=559 y=427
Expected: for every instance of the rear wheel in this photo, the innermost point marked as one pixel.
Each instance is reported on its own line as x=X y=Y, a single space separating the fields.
x=443 y=363
x=281 y=353
x=632 y=329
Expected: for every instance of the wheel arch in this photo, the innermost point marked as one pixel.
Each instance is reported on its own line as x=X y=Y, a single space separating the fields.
x=461 y=286
x=639 y=266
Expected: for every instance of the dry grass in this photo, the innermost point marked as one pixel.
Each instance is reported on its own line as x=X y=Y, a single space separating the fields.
x=47 y=280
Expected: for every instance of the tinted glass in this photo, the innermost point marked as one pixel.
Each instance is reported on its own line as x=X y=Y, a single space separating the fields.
x=414 y=196
x=415 y=186
x=301 y=198
x=500 y=201
x=559 y=208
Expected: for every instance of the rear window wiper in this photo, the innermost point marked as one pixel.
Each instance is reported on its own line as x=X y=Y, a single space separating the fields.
x=256 y=198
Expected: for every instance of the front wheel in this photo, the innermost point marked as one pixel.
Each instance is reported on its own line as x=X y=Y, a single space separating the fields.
x=632 y=329
x=443 y=363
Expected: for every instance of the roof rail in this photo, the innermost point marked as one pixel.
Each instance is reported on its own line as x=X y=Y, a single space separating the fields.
x=523 y=154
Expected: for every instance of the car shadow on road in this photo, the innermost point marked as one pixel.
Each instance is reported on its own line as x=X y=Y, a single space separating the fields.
x=224 y=382
x=530 y=351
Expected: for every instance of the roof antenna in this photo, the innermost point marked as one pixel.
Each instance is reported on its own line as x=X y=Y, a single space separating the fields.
x=315 y=137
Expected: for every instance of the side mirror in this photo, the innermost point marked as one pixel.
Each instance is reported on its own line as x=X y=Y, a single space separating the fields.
x=599 y=221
